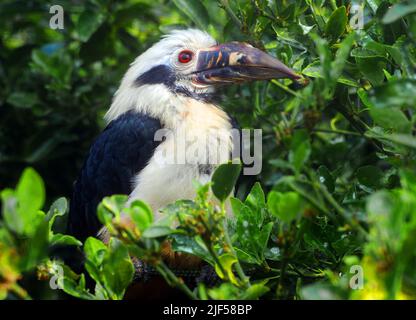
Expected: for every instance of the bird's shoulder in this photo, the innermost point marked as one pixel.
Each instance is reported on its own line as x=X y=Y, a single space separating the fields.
x=126 y=136
x=123 y=148
x=131 y=125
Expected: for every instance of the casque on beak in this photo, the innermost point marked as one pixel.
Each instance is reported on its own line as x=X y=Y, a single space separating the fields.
x=236 y=62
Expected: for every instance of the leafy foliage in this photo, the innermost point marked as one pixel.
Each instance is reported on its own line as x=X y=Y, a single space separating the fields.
x=337 y=189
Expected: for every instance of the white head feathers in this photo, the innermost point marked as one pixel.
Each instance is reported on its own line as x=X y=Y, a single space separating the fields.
x=156 y=99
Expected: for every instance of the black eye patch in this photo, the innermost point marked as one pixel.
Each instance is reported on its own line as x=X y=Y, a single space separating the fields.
x=161 y=74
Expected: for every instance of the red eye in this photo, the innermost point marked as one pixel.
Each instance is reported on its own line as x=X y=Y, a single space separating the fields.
x=185 y=56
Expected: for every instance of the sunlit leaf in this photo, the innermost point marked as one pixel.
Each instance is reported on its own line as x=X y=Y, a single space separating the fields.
x=336 y=24
x=226 y=261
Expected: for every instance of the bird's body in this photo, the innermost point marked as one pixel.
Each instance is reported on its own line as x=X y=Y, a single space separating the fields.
x=164 y=132
x=163 y=182
x=125 y=159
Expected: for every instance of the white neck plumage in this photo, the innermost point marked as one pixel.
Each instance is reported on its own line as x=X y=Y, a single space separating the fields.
x=169 y=108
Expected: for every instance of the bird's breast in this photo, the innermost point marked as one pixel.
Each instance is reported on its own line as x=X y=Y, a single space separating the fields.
x=189 y=152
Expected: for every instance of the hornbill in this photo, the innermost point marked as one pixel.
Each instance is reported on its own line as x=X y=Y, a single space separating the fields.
x=169 y=86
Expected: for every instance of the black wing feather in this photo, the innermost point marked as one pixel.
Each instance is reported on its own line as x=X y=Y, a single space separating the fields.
x=117 y=155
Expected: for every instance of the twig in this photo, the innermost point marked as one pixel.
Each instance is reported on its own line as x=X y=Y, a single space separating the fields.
x=173 y=279
x=285 y=88
x=341 y=210
x=358 y=125
x=20 y=292
x=238 y=268
x=231 y=13
x=338 y=132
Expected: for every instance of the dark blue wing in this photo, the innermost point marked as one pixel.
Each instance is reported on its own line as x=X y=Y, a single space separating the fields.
x=116 y=156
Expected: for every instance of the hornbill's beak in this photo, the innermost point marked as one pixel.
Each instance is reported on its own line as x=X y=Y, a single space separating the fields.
x=235 y=62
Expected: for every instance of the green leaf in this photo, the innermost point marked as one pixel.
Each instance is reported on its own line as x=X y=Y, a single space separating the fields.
x=157 y=231
x=281 y=164
x=255 y=291
x=36 y=247
x=273 y=254
x=369 y=176
x=403 y=139
x=320 y=291
x=314 y=70
x=118 y=269
x=195 y=10
x=398 y=138
x=110 y=208
x=257 y=202
x=74 y=289
x=397 y=11
x=141 y=214
x=224 y=179
x=225 y=291
x=30 y=193
x=372 y=69
x=337 y=23
x=249 y=230
x=226 y=261
x=300 y=150
x=324 y=56
x=397 y=93
x=365 y=53
x=89 y=21
x=74 y=284
x=371 y=61
x=391 y=118
x=184 y=243
x=264 y=236
x=95 y=251
x=256 y=198
x=373 y=4
x=94 y=272
x=58 y=66
x=6 y=237
x=63 y=239
x=21 y=207
x=326 y=178
x=245 y=257
x=24 y=100
x=136 y=10
x=12 y=218
x=57 y=209
x=286 y=206
x=342 y=56
x=380 y=205
x=305 y=28
x=100 y=292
